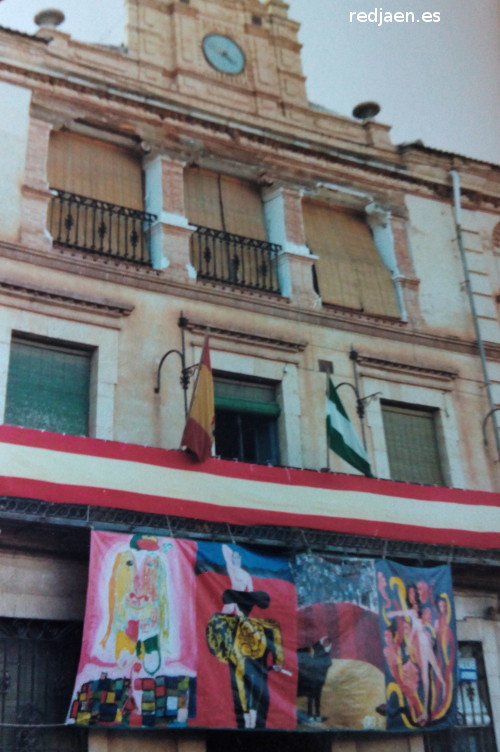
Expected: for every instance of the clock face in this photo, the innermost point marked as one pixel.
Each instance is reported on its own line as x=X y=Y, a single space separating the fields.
x=223 y=54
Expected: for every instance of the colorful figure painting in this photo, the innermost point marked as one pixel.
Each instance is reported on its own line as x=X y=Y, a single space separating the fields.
x=341 y=679
x=138 y=662
x=181 y=633
x=246 y=638
x=417 y=625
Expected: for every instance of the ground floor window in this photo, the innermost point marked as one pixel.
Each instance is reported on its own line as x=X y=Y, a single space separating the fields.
x=474 y=731
x=38 y=663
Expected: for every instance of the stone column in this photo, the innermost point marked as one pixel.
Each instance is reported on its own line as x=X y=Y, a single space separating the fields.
x=171 y=233
x=35 y=190
x=285 y=226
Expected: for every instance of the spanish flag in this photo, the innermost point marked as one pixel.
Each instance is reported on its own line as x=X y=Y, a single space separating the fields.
x=198 y=433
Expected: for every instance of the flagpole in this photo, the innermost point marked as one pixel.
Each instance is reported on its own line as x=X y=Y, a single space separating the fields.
x=185 y=372
x=326 y=431
x=353 y=356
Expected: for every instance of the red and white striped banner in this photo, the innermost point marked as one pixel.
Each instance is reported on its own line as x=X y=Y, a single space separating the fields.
x=77 y=470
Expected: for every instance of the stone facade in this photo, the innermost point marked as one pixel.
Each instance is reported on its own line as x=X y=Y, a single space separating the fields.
x=164 y=102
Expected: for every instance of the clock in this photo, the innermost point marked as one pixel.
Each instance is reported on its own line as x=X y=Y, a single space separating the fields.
x=223 y=54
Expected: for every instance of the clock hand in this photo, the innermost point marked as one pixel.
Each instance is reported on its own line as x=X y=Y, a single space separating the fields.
x=225 y=54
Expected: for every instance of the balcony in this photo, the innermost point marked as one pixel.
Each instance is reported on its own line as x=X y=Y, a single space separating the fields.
x=99 y=227
x=236 y=260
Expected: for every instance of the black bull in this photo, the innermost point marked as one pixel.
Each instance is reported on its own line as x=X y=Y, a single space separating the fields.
x=313 y=663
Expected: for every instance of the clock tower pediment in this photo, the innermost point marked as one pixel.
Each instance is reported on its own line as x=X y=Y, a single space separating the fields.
x=237 y=54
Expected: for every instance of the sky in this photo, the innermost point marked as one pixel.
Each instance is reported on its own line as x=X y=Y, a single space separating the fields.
x=435 y=80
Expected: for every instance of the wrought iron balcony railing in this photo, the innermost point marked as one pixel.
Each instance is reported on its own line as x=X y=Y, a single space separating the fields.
x=234 y=259
x=88 y=224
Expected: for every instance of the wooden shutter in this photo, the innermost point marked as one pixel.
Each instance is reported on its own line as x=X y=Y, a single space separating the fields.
x=412 y=445
x=202 y=196
x=350 y=271
x=224 y=203
x=242 y=207
x=95 y=169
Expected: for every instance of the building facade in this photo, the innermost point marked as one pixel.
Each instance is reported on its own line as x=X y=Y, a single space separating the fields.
x=181 y=186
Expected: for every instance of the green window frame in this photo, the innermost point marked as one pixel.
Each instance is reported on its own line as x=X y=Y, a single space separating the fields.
x=246 y=419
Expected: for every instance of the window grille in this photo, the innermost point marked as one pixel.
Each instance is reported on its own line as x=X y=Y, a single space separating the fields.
x=98 y=198
x=474 y=731
x=230 y=242
x=38 y=663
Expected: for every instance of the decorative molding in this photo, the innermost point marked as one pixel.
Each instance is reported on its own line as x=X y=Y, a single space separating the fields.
x=270 y=138
x=67 y=299
x=248 y=337
x=147 y=278
x=70 y=517
x=427 y=372
x=344 y=313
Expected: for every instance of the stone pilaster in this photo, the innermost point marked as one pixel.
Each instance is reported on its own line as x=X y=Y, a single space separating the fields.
x=283 y=213
x=408 y=280
x=171 y=233
x=35 y=190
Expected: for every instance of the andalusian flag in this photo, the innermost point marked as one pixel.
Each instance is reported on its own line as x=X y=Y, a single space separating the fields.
x=342 y=438
x=198 y=434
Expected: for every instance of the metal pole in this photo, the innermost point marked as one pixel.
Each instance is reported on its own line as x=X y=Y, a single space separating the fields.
x=480 y=344
x=354 y=357
x=185 y=372
x=326 y=432
x=185 y=376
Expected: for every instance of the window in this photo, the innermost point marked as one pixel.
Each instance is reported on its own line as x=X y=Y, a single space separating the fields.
x=97 y=169
x=474 y=731
x=38 y=662
x=412 y=444
x=224 y=203
x=350 y=272
x=230 y=243
x=246 y=420
x=98 y=202
x=48 y=386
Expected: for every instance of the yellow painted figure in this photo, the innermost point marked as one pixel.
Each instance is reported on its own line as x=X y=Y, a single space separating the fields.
x=251 y=648
x=138 y=606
